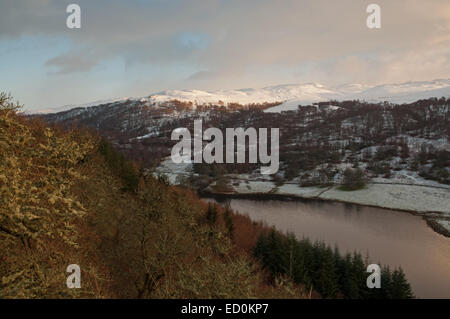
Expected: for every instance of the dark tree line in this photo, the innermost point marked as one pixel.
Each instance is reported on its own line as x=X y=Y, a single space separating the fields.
x=324 y=270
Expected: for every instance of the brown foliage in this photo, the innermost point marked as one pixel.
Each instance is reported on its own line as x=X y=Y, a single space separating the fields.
x=63 y=203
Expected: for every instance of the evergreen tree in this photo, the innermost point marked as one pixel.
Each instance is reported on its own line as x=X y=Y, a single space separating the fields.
x=276 y=257
x=228 y=221
x=347 y=278
x=211 y=214
x=359 y=275
x=354 y=179
x=305 y=248
x=400 y=288
x=261 y=247
x=327 y=283
x=386 y=284
x=318 y=267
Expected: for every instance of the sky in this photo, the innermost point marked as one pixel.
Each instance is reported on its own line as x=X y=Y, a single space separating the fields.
x=137 y=47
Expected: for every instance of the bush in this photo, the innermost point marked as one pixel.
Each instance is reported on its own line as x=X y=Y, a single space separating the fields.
x=353 y=179
x=227 y=216
x=211 y=214
x=222 y=186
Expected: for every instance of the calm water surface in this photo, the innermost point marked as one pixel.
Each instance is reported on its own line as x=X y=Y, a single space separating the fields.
x=389 y=237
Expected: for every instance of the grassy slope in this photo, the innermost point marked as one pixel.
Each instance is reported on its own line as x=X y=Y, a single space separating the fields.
x=62 y=203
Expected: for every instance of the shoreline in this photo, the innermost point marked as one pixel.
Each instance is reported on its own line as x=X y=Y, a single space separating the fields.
x=428 y=216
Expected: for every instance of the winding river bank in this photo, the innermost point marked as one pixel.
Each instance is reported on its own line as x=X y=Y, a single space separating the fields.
x=431 y=203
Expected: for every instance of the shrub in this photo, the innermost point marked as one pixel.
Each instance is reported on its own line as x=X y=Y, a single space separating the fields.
x=353 y=179
x=211 y=214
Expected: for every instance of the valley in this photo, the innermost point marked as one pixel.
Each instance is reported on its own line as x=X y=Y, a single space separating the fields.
x=380 y=154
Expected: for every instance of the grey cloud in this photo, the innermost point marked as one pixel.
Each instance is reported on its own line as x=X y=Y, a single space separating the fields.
x=246 y=35
x=201 y=75
x=25 y=17
x=71 y=63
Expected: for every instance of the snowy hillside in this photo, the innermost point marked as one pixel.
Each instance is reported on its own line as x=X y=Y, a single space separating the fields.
x=395 y=93
x=280 y=93
x=294 y=94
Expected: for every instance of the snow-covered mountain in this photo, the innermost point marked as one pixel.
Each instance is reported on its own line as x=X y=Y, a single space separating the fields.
x=278 y=93
x=395 y=93
x=291 y=95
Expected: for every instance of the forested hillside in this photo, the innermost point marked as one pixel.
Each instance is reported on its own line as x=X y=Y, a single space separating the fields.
x=317 y=142
x=67 y=197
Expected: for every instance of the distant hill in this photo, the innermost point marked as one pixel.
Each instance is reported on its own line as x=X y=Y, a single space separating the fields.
x=291 y=95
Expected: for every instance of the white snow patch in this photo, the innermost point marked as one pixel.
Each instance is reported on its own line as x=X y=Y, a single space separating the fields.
x=250 y=187
x=295 y=190
x=171 y=169
x=404 y=197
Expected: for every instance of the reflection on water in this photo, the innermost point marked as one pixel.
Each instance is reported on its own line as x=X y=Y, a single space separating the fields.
x=389 y=237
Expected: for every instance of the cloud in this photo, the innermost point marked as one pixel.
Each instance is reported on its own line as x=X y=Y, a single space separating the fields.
x=69 y=63
x=25 y=17
x=190 y=41
x=235 y=43
x=231 y=34
x=202 y=75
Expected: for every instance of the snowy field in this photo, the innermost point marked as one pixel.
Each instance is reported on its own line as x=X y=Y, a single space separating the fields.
x=173 y=170
x=420 y=199
x=250 y=187
x=295 y=190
